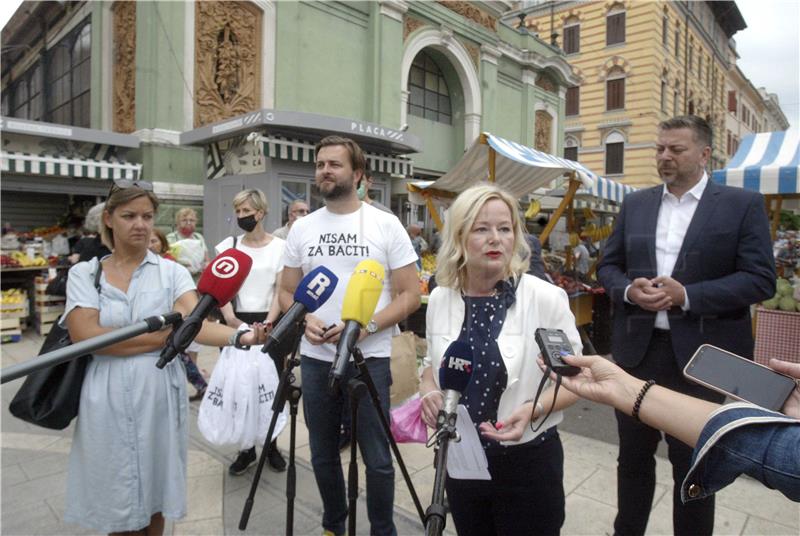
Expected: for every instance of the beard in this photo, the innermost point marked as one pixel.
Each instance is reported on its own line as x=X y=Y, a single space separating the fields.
x=337 y=191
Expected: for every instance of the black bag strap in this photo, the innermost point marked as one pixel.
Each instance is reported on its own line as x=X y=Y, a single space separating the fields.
x=233 y=237
x=97 y=275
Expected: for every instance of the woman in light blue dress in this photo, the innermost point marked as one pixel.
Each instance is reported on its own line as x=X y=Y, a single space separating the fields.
x=127 y=466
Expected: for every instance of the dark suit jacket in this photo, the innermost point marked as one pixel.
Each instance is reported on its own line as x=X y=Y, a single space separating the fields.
x=536 y=266
x=725 y=264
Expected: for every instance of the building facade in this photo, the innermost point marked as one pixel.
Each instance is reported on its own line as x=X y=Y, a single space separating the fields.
x=236 y=93
x=640 y=63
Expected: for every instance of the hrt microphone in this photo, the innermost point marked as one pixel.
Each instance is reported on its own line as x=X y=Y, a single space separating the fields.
x=454 y=375
x=314 y=290
x=360 y=300
x=219 y=284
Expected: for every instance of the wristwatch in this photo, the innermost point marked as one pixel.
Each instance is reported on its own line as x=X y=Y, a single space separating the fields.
x=236 y=340
x=372 y=327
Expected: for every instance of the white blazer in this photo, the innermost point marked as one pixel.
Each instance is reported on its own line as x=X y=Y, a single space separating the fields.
x=538 y=304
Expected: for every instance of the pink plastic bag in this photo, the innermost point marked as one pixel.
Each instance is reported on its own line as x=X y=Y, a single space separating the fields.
x=407 y=423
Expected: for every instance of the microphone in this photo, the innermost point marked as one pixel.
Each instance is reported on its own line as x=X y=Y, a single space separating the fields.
x=314 y=290
x=454 y=375
x=360 y=299
x=219 y=284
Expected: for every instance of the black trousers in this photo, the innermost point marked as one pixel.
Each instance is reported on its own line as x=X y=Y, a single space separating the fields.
x=636 y=476
x=524 y=498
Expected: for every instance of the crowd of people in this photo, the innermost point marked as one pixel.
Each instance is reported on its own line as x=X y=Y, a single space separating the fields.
x=683 y=265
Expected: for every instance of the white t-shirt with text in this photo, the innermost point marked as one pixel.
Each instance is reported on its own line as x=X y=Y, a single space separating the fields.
x=339 y=242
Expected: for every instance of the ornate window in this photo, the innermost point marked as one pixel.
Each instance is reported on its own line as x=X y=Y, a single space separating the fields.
x=428 y=95
x=676 y=103
x=665 y=29
x=571 y=149
x=615 y=89
x=615 y=25
x=663 y=94
x=572 y=35
x=615 y=150
x=69 y=78
x=678 y=41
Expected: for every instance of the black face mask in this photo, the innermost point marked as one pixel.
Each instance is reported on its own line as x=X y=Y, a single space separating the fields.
x=248 y=223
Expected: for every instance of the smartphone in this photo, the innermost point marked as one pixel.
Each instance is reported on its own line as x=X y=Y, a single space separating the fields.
x=738 y=377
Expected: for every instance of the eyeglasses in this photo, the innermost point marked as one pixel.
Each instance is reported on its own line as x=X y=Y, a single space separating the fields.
x=123 y=184
x=300 y=211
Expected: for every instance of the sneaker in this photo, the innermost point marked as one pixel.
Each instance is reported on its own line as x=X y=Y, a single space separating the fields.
x=275 y=459
x=242 y=462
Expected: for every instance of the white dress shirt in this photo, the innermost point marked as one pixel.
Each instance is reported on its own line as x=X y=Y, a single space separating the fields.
x=674 y=217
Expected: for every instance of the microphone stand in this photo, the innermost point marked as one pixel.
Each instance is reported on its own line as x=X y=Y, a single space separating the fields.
x=78 y=349
x=356 y=389
x=286 y=392
x=365 y=377
x=436 y=514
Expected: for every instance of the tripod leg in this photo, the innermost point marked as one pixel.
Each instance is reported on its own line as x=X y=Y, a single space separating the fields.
x=355 y=389
x=365 y=376
x=291 y=473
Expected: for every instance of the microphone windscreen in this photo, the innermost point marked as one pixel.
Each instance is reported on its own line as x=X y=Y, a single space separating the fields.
x=315 y=288
x=225 y=275
x=363 y=292
x=456 y=368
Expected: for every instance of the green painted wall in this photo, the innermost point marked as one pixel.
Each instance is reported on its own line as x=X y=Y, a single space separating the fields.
x=160 y=87
x=507 y=121
x=172 y=164
x=323 y=57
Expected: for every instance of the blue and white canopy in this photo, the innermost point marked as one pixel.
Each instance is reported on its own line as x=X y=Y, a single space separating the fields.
x=766 y=162
x=518 y=169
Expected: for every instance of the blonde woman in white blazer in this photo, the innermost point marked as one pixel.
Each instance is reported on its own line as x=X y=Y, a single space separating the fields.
x=486 y=300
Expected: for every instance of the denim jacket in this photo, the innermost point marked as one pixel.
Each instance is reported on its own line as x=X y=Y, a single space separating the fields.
x=743 y=438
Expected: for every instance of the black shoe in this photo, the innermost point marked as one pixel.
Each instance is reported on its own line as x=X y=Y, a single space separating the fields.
x=242 y=462
x=344 y=438
x=275 y=459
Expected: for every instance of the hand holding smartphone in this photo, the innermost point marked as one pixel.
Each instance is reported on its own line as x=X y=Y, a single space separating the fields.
x=739 y=378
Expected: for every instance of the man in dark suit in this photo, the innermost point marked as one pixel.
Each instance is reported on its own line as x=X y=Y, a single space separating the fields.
x=682 y=267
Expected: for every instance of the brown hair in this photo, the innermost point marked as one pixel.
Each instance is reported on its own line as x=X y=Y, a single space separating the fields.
x=699 y=127
x=161 y=238
x=357 y=159
x=117 y=198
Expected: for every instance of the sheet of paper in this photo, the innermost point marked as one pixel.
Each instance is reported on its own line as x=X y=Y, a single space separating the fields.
x=466 y=459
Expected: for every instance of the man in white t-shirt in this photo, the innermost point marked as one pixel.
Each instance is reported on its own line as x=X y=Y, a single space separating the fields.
x=339 y=236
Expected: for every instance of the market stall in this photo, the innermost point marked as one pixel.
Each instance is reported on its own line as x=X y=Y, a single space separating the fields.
x=769 y=163
x=522 y=170
x=52 y=174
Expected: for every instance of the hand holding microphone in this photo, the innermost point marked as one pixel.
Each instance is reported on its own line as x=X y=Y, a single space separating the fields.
x=360 y=300
x=219 y=284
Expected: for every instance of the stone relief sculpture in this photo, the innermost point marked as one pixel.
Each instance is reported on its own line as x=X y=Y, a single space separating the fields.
x=542 y=136
x=227 y=65
x=124 y=81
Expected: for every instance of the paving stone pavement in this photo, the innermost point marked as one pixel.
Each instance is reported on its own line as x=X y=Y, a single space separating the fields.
x=34 y=461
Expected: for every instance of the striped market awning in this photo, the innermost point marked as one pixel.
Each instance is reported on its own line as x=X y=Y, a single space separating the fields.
x=300 y=151
x=767 y=163
x=608 y=190
x=60 y=166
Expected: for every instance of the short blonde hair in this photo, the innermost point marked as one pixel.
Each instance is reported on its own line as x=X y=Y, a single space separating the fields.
x=182 y=213
x=256 y=198
x=120 y=197
x=94 y=218
x=452 y=257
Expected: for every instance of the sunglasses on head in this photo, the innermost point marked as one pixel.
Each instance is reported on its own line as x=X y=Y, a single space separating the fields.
x=123 y=184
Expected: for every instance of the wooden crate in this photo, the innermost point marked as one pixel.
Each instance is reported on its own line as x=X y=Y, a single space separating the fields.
x=43 y=328
x=10 y=330
x=48 y=318
x=53 y=308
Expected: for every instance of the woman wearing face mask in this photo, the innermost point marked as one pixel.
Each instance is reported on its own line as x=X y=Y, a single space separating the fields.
x=257 y=301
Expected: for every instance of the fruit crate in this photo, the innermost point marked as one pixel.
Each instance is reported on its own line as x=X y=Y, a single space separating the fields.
x=777 y=335
x=10 y=330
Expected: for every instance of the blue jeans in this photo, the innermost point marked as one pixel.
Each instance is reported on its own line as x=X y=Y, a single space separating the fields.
x=323 y=412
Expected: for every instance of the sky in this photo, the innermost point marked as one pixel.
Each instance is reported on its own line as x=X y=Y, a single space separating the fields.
x=769 y=48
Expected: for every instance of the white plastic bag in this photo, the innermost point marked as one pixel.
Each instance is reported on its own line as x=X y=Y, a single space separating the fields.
x=215 y=418
x=242 y=416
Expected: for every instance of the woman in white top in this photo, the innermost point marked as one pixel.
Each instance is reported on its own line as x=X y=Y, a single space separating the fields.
x=257 y=301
